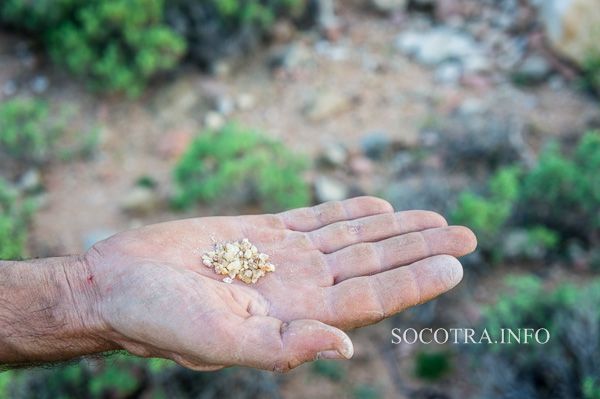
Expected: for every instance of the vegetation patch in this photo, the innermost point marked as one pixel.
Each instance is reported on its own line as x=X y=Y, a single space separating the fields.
x=553 y=202
x=565 y=367
x=243 y=164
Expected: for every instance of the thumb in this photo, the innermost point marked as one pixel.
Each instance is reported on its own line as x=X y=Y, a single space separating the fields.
x=271 y=344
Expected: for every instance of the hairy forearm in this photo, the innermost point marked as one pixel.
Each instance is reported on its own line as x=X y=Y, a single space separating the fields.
x=47 y=312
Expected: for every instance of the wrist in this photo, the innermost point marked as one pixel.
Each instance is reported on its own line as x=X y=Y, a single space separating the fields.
x=82 y=304
x=47 y=312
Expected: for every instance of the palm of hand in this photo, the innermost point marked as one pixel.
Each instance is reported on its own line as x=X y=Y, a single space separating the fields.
x=339 y=265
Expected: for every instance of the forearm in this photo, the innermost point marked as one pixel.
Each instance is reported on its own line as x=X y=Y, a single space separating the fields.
x=47 y=312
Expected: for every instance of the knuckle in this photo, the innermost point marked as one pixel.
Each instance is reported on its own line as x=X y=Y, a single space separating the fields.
x=367 y=251
x=330 y=211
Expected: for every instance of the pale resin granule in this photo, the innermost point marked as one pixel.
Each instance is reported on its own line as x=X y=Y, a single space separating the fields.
x=239 y=259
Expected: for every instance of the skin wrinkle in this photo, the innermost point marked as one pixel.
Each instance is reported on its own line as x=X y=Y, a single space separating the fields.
x=71 y=295
x=425 y=244
x=365 y=252
x=397 y=223
x=415 y=284
x=283 y=328
x=378 y=253
x=316 y=238
x=328 y=277
x=238 y=355
x=338 y=232
x=331 y=211
x=374 y=288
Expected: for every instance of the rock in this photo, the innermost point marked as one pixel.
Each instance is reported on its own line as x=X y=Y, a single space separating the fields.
x=30 y=181
x=327 y=20
x=224 y=105
x=445 y=9
x=39 y=84
x=533 y=70
x=178 y=102
x=577 y=254
x=334 y=154
x=140 y=201
x=9 y=88
x=472 y=106
x=333 y=51
x=245 y=101
x=448 y=73
x=221 y=69
x=481 y=139
x=423 y=3
x=289 y=57
x=476 y=63
x=572 y=27
x=517 y=244
x=328 y=189
x=436 y=45
x=214 y=120
x=477 y=81
x=327 y=104
x=388 y=6
x=174 y=143
x=361 y=165
x=556 y=82
x=402 y=162
x=283 y=31
x=376 y=145
x=432 y=192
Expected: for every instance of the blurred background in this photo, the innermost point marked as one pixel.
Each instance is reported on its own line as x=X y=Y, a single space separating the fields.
x=120 y=113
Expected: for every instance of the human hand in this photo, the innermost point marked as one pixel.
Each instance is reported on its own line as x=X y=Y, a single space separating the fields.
x=339 y=265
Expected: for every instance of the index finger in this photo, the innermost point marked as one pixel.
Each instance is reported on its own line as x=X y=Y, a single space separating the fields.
x=315 y=217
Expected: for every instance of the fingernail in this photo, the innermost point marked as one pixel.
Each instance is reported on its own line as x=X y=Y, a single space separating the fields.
x=330 y=355
x=347 y=349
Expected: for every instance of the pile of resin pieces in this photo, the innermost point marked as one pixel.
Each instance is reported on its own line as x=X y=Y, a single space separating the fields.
x=239 y=259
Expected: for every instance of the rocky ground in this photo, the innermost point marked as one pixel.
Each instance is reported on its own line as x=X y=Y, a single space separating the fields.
x=412 y=102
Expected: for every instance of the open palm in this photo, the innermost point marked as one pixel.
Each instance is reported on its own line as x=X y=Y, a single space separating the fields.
x=340 y=265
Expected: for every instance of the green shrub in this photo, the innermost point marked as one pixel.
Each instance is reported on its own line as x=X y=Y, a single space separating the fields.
x=591 y=388
x=36 y=16
x=591 y=73
x=120 y=377
x=117 y=45
x=15 y=214
x=5 y=379
x=259 y=12
x=329 y=369
x=240 y=163
x=556 y=200
x=28 y=133
x=563 y=192
x=565 y=367
x=488 y=215
x=217 y=28
x=432 y=365
x=365 y=391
